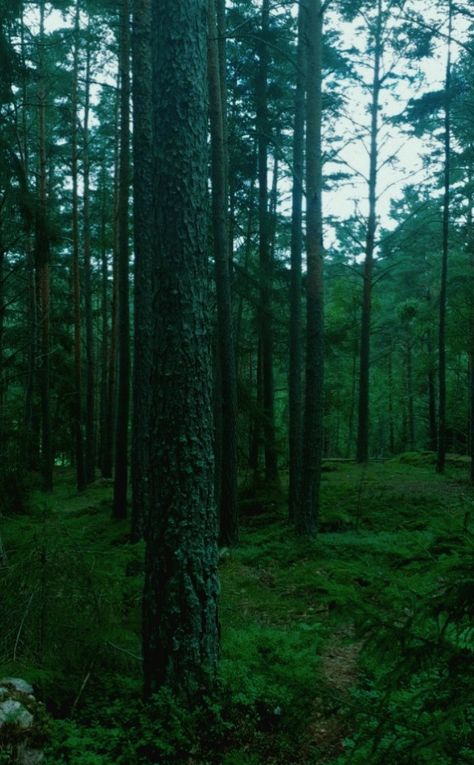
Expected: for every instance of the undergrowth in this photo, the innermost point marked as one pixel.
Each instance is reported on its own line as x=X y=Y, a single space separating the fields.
x=356 y=647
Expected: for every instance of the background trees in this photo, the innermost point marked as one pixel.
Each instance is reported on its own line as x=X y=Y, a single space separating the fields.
x=347 y=158
x=239 y=212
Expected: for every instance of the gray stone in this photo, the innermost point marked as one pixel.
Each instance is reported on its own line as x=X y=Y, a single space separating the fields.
x=18 y=684
x=14 y=713
x=27 y=756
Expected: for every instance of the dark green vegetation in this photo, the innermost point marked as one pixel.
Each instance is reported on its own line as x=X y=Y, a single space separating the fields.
x=236 y=252
x=355 y=648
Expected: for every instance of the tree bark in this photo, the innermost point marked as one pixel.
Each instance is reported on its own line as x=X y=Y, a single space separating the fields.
x=180 y=624
x=104 y=427
x=143 y=240
x=441 y=457
x=42 y=260
x=306 y=520
x=227 y=449
x=76 y=278
x=90 y=456
x=265 y=259
x=364 y=367
x=295 y=392
x=123 y=313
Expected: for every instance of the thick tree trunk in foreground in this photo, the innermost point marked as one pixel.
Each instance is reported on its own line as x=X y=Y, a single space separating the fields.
x=123 y=314
x=227 y=449
x=306 y=519
x=143 y=239
x=295 y=393
x=180 y=625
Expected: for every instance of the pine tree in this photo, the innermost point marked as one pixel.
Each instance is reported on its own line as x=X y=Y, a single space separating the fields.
x=180 y=629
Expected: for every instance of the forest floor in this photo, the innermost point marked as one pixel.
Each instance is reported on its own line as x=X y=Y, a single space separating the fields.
x=308 y=628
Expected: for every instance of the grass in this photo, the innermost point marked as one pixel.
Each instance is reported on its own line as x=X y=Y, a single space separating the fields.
x=293 y=614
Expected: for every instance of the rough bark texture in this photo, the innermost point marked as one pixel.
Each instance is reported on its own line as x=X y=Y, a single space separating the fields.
x=265 y=259
x=364 y=366
x=143 y=241
x=123 y=311
x=295 y=392
x=227 y=450
x=441 y=457
x=180 y=626
x=308 y=510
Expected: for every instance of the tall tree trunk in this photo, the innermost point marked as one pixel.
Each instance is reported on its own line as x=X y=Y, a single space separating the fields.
x=143 y=240
x=104 y=321
x=256 y=427
x=227 y=449
x=364 y=367
x=410 y=395
x=2 y=324
x=76 y=279
x=90 y=457
x=180 y=633
x=123 y=314
x=306 y=519
x=295 y=392
x=30 y=421
x=441 y=457
x=352 y=407
x=265 y=259
x=470 y=251
x=391 y=428
x=42 y=259
x=108 y=442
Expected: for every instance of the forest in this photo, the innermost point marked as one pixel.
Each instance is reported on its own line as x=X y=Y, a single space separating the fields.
x=236 y=382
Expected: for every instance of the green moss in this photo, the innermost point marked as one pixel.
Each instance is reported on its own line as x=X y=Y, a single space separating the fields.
x=294 y=617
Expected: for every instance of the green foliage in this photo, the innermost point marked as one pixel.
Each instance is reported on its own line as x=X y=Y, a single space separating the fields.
x=363 y=635
x=70 y=585
x=128 y=731
x=415 y=703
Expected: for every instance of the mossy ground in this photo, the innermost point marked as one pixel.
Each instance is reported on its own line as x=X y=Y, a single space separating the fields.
x=290 y=611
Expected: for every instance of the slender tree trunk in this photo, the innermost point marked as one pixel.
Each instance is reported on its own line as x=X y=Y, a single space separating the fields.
x=42 y=258
x=364 y=369
x=295 y=393
x=104 y=314
x=76 y=279
x=227 y=450
x=256 y=428
x=143 y=240
x=410 y=395
x=247 y=256
x=470 y=249
x=90 y=460
x=123 y=377
x=441 y=457
x=391 y=429
x=30 y=421
x=108 y=451
x=180 y=633
x=265 y=259
x=2 y=324
x=306 y=519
